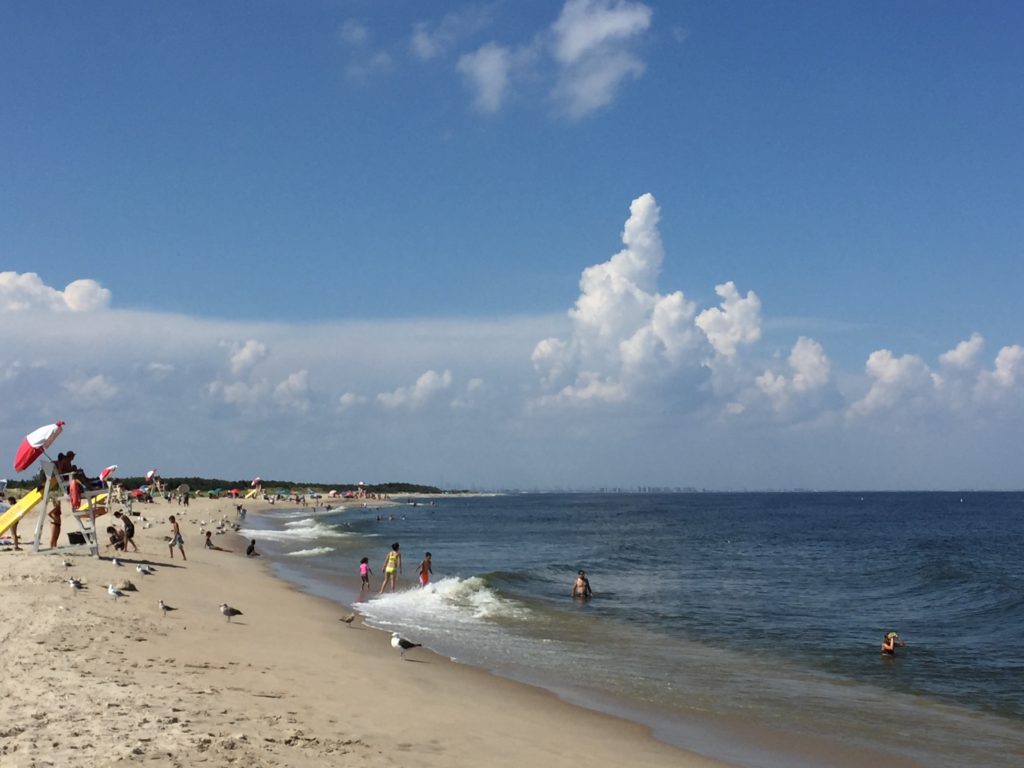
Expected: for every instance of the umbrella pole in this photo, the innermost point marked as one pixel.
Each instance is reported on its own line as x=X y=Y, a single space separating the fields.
x=46 y=501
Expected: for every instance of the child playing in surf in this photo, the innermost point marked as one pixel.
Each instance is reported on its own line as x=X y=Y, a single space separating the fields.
x=425 y=570
x=364 y=573
x=392 y=567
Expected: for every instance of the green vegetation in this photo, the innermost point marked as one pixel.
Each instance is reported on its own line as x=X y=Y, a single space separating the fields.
x=206 y=484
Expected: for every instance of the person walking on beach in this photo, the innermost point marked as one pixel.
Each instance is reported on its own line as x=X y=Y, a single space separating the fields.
x=129 y=531
x=364 y=573
x=425 y=570
x=392 y=567
x=176 y=540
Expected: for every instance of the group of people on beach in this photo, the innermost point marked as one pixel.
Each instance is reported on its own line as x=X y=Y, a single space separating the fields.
x=393 y=567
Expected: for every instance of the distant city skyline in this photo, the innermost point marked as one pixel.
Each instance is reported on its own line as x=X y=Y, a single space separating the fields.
x=595 y=243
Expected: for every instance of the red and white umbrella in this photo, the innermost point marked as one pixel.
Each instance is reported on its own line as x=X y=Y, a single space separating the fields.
x=35 y=444
x=108 y=472
x=256 y=481
x=149 y=475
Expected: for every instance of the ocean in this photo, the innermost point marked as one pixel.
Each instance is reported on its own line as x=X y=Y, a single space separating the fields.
x=743 y=626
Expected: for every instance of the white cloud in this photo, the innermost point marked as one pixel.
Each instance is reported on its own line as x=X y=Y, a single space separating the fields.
x=426 y=388
x=354 y=32
x=965 y=354
x=95 y=389
x=293 y=392
x=486 y=72
x=238 y=393
x=350 y=400
x=471 y=396
x=589 y=388
x=592 y=40
x=897 y=381
x=27 y=292
x=1005 y=378
x=245 y=357
x=364 y=66
x=737 y=321
x=809 y=373
x=622 y=328
x=431 y=41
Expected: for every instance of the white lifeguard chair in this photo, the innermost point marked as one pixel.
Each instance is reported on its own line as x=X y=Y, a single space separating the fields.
x=89 y=500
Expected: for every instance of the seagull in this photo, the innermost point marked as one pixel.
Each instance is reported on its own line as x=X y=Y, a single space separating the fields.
x=66 y=563
x=75 y=584
x=348 y=619
x=145 y=570
x=117 y=563
x=228 y=611
x=164 y=607
x=114 y=592
x=402 y=644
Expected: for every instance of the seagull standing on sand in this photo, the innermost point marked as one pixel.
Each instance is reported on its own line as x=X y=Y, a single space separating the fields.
x=348 y=619
x=75 y=585
x=117 y=563
x=114 y=592
x=402 y=644
x=228 y=611
x=145 y=570
x=164 y=607
x=66 y=563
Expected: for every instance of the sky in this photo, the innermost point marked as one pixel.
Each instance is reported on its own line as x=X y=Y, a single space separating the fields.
x=571 y=244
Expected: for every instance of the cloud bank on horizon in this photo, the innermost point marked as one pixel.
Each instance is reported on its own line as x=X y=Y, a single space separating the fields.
x=627 y=358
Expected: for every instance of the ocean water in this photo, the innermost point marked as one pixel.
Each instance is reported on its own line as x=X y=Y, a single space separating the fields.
x=743 y=626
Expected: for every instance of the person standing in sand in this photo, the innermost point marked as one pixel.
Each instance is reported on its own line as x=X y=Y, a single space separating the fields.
x=425 y=570
x=392 y=567
x=11 y=501
x=55 y=519
x=176 y=540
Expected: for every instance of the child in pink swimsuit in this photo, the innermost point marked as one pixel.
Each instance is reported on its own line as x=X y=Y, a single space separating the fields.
x=364 y=573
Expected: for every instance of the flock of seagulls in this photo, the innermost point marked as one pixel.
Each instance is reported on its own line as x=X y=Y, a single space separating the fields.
x=398 y=642
x=144 y=569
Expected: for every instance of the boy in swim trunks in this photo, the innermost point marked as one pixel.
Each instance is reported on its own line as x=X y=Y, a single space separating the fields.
x=425 y=570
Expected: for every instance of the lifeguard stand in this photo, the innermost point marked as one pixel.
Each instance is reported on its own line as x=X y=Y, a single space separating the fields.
x=86 y=510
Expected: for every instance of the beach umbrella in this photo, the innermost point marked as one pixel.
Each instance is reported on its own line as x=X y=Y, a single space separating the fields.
x=106 y=473
x=256 y=481
x=35 y=444
x=150 y=474
x=183 y=488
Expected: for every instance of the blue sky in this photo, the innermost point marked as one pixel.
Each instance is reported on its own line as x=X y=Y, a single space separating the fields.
x=353 y=238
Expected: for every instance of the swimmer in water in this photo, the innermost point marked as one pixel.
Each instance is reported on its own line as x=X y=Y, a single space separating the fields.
x=890 y=643
x=581 y=587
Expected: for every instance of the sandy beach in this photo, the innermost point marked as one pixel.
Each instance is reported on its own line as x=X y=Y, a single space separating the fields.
x=89 y=680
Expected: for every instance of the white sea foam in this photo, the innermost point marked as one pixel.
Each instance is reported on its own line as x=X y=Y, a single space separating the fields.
x=311 y=552
x=450 y=600
x=306 y=529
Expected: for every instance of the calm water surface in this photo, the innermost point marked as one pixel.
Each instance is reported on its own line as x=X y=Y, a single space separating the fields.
x=766 y=609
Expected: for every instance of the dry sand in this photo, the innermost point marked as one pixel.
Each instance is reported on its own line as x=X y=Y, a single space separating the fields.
x=90 y=681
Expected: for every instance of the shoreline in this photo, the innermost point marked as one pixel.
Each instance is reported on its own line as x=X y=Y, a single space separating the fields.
x=92 y=680
x=715 y=736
